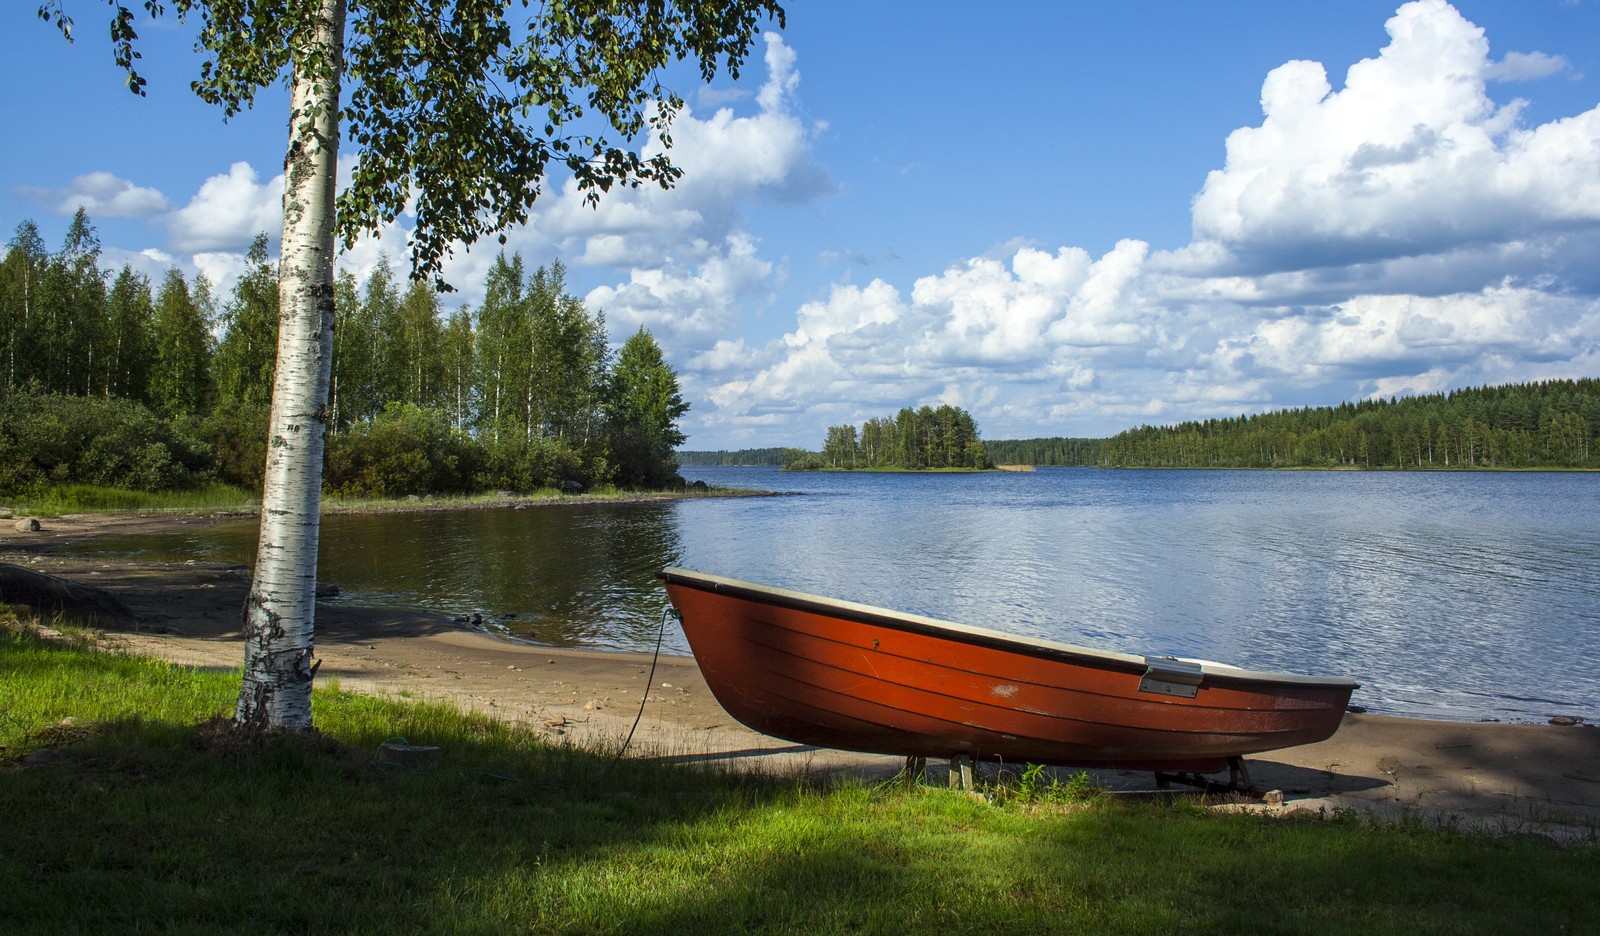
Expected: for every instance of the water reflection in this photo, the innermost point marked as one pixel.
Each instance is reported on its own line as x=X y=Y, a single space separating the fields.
x=1456 y=596
x=569 y=576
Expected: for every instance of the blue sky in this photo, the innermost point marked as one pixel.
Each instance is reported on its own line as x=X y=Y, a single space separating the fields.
x=1068 y=218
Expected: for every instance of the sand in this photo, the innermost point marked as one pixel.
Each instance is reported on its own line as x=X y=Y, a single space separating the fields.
x=1504 y=778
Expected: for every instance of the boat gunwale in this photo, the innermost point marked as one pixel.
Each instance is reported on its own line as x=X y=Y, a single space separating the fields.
x=908 y=622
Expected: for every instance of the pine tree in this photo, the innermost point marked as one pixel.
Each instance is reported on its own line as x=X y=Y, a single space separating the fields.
x=643 y=408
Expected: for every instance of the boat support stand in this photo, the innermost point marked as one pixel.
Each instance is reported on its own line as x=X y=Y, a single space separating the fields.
x=1238 y=780
x=960 y=771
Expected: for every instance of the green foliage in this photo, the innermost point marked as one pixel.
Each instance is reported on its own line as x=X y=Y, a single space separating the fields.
x=915 y=439
x=180 y=333
x=763 y=456
x=48 y=440
x=517 y=400
x=249 y=347
x=1553 y=424
x=1039 y=784
x=1053 y=451
x=55 y=314
x=406 y=450
x=643 y=407
x=126 y=351
x=541 y=358
x=237 y=435
x=78 y=498
x=520 y=463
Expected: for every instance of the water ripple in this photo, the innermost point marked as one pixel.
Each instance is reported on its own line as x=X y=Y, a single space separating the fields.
x=1455 y=596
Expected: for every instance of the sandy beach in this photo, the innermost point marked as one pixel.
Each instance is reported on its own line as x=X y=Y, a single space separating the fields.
x=1504 y=778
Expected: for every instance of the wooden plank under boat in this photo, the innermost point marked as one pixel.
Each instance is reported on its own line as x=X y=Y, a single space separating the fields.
x=838 y=674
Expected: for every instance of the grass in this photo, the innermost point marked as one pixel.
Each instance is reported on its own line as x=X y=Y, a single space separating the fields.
x=85 y=498
x=215 y=498
x=125 y=805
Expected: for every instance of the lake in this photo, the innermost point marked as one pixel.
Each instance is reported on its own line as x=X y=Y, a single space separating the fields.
x=1458 y=596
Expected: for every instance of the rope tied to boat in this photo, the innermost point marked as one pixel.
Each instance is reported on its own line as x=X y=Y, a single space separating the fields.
x=666 y=612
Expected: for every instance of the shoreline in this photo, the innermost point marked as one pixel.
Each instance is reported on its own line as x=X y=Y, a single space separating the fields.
x=1497 y=776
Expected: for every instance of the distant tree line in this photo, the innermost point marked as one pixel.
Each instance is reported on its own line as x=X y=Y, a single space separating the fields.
x=1052 y=451
x=109 y=380
x=740 y=457
x=914 y=439
x=1550 y=424
x=1553 y=424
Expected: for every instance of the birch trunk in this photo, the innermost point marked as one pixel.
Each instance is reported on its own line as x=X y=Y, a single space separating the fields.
x=279 y=614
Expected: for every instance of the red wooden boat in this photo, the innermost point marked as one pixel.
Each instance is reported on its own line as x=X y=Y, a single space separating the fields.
x=837 y=674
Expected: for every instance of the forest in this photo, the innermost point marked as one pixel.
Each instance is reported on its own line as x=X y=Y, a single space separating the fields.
x=736 y=457
x=114 y=381
x=922 y=439
x=1549 y=424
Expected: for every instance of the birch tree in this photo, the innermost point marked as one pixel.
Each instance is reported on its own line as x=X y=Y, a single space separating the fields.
x=457 y=110
x=127 y=355
x=180 y=379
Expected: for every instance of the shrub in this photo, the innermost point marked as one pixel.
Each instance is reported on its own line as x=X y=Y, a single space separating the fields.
x=406 y=450
x=237 y=436
x=518 y=463
x=55 y=440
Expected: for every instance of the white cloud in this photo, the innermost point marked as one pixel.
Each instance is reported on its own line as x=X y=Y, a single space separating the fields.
x=228 y=212
x=1367 y=334
x=686 y=307
x=682 y=261
x=222 y=270
x=102 y=195
x=1404 y=233
x=1411 y=157
x=1527 y=66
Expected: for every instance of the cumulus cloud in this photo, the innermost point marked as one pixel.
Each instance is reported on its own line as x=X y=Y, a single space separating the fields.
x=1527 y=66
x=729 y=160
x=686 y=307
x=1400 y=232
x=102 y=195
x=228 y=212
x=1403 y=233
x=681 y=261
x=1411 y=157
x=222 y=269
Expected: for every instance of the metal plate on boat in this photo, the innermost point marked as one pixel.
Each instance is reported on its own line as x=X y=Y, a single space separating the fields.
x=1171 y=676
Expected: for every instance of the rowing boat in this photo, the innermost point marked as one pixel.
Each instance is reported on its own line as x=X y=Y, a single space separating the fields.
x=837 y=674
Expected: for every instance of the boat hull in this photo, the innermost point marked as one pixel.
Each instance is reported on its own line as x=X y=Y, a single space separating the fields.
x=837 y=674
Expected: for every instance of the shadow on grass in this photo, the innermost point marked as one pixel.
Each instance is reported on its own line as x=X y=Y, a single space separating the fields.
x=139 y=822
x=163 y=826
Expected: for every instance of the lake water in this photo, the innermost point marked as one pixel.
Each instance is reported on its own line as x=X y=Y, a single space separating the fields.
x=1446 y=595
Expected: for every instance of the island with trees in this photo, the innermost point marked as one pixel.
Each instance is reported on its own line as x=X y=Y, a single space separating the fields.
x=943 y=438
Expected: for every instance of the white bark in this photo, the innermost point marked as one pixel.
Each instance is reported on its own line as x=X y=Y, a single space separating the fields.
x=279 y=614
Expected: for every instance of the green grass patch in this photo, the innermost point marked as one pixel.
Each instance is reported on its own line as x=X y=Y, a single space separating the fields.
x=84 y=498
x=124 y=807
x=224 y=498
